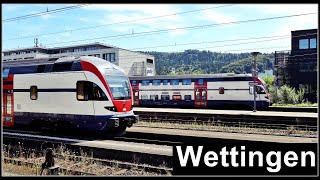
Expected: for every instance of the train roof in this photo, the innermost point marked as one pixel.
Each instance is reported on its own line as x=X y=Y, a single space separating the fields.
x=222 y=75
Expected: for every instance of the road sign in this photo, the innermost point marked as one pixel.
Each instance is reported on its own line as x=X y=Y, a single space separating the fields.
x=253 y=83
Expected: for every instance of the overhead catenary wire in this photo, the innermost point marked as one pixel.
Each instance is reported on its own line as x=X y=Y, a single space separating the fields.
x=44 y=13
x=146 y=33
x=121 y=22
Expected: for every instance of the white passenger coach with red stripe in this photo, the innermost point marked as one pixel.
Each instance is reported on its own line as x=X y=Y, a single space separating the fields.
x=86 y=93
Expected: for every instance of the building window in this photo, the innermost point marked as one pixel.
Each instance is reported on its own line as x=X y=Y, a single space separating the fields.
x=109 y=57
x=304 y=44
x=150 y=61
x=33 y=93
x=313 y=43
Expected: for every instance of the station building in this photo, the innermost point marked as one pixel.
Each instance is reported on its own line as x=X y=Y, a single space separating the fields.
x=133 y=63
x=298 y=67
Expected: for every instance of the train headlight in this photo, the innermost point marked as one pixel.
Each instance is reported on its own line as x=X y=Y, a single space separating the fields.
x=111 y=108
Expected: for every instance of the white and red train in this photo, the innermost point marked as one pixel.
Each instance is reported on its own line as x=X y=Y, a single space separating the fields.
x=232 y=91
x=86 y=93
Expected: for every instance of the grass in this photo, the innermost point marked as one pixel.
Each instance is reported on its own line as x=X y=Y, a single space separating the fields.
x=65 y=159
x=298 y=105
x=290 y=131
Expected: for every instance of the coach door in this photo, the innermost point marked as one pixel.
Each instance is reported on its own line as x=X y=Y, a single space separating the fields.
x=135 y=90
x=200 y=94
x=7 y=108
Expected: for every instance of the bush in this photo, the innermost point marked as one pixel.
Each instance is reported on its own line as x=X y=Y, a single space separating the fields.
x=287 y=95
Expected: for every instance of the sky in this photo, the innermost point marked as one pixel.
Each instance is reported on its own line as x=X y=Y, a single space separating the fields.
x=233 y=28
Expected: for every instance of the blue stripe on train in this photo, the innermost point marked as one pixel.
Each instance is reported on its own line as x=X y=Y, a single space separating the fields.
x=47 y=90
x=83 y=122
x=212 y=103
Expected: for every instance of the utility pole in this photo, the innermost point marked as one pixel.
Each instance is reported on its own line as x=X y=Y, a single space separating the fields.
x=254 y=54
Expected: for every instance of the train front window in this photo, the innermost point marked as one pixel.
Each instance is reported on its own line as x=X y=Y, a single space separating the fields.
x=118 y=84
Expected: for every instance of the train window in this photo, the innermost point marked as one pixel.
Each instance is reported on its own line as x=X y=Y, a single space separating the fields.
x=59 y=67
x=98 y=93
x=197 y=96
x=154 y=97
x=33 y=92
x=156 y=82
x=200 y=81
x=204 y=95
x=221 y=90
x=5 y=73
x=186 y=82
x=145 y=83
x=133 y=83
x=144 y=97
x=165 y=82
x=9 y=104
x=250 y=89
x=187 y=97
x=90 y=91
x=136 y=95
x=40 y=68
x=260 y=90
x=165 y=97
x=80 y=91
x=176 y=97
x=174 y=82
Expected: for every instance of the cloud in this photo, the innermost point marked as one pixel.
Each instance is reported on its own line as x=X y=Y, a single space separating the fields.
x=217 y=17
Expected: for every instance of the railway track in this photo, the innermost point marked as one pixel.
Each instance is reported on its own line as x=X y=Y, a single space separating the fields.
x=272 y=120
x=126 y=155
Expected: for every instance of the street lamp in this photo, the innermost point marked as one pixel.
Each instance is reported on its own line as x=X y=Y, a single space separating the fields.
x=254 y=54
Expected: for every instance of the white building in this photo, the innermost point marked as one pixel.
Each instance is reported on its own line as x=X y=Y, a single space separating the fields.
x=133 y=63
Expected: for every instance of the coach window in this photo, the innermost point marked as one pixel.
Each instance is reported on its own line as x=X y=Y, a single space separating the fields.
x=186 y=82
x=250 y=89
x=154 y=97
x=221 y=90
x=80 y=91
x=187 y=97
x=5 y=73
x=197 y=96
x=204 y=95
x=165 y=97
x=33 y=93
x=176 y=97
x=144 y=97
x=200 y=82
x=174 y=82
x=145 y=83
x=156 y=82
x=165 y=82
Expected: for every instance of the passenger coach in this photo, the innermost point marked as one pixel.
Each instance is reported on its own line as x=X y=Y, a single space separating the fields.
x=199 y=91
x=87 y=93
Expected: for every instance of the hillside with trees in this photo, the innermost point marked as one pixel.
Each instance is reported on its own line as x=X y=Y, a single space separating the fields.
x=207 y=62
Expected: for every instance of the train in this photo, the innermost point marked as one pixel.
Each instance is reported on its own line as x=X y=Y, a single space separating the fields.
x=81 y=93
x=216 y=91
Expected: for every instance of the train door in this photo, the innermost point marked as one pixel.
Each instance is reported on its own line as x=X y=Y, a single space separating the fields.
x=135 y=90
x=7 y=96
x=200 y=94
